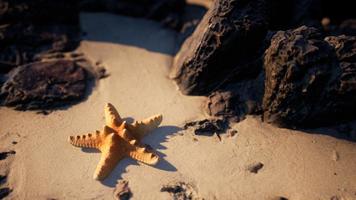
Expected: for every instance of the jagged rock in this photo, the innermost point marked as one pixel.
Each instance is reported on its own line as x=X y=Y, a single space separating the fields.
x=208 y=127
x=305 y=84
x=166 y=11
x=224 y=44
x=181 y=191
x=39 y=11
x=45 y=85
x=31 y=27
x=21 y=43
x=236 y=100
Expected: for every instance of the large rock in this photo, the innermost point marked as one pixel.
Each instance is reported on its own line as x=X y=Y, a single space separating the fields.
x=21 y=43
x=45 y=84
x=224 y=45
x=32 y=27
x=306 y=82
x=39 y=11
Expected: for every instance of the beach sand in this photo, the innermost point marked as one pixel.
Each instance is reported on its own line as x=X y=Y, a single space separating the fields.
x=137 y=54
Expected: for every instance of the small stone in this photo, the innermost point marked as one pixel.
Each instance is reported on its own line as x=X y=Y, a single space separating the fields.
x=335 y=156
x=255 y=168
x=122 y=190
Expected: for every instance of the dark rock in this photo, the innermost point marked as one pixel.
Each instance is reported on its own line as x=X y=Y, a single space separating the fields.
x=224 y=104
x=255 y=168
x=44 y=85
x=21 y=43
x=224 y=44
x=39 y=11
x=4 y=192
x=208 y=126
x=181 y=191
x=306 y=84
x=31 y=27
x=345 y=47
x=166 y=11
x=122 y=190
x=236 y=100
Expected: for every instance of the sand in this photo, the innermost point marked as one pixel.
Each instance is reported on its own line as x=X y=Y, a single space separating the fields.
x=137 y=54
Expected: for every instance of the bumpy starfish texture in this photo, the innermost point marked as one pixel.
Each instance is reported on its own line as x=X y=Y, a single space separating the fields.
x=118 y=140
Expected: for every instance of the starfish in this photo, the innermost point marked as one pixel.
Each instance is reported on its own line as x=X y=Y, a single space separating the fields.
x=118 y=140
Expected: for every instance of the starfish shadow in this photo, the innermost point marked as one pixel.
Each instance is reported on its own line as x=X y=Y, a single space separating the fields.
x=154 y=140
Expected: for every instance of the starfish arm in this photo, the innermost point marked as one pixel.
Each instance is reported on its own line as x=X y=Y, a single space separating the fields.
x=145 y=155
x=141 y=128
x=112 y=117
x=112 y=151
x=90 y=140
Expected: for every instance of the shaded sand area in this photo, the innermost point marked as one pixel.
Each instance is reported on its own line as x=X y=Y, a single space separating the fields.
x=260 y=162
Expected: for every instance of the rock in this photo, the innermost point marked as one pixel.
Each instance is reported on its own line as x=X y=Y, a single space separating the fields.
x=181 y=191
x=255 y=168
x=166 y=11
x=31 y=27
x=236 y=100
x=224 y=45
x=21 y=43
x=207 y=127
x=122 y=190
x=306 y=82
x=39 y=11
x=44 y=85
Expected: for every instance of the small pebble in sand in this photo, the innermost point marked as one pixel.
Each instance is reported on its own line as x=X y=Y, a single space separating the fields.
x=255 y=168
x=335 y=156
x=181 y=191
x=231 y=132
x=122 y=190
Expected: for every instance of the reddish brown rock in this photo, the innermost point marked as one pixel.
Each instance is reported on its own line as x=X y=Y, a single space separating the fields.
x=224 y=44
x=44 y=85
x=308 y=83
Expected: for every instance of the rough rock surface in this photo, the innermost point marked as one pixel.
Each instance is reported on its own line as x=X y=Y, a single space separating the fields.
x=181 y=191
x=122 y=190
x=305 y=83
x=224 y=44
x=43 y=85
x=21 y=43
x=236 y=100
x=208 y=127
x=31 y=27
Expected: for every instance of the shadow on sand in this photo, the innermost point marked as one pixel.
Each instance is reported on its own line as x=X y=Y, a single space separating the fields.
x=138 y=32
x=155 y=140
x=344 y=131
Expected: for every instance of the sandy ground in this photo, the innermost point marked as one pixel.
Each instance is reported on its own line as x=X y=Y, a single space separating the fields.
x=137 y=54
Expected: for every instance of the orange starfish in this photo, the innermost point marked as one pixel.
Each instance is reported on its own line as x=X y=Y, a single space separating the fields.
x=118 y=140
